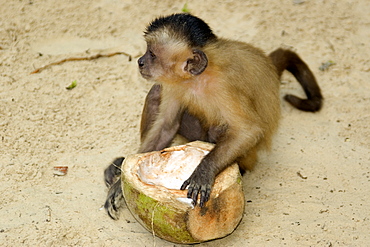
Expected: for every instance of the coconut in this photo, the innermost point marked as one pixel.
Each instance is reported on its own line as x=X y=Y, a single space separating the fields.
x=151 y=182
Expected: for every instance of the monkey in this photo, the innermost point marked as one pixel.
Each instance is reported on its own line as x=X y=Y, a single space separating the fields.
x=211 y=89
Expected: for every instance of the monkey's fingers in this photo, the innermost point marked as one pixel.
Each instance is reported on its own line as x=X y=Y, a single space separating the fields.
x=114 y=200
x=185 y=184
x=194 y=194
x=202 y=198
x=204 y=190
x=205 y=194
x=193 y=191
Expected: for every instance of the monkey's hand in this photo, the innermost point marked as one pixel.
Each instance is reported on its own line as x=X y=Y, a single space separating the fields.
x=200 y=182
x=114 y=200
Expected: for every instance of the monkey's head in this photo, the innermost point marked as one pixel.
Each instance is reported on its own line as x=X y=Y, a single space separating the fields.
x=174 y=48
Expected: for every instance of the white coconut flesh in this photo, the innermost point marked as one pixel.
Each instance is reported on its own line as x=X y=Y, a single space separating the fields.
x=170 y=168
x=172 y=171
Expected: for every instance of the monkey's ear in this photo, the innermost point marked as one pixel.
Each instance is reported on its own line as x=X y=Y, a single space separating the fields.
x=197 y=64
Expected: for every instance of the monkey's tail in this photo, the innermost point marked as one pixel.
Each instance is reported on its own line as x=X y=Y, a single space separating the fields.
x=289 y=60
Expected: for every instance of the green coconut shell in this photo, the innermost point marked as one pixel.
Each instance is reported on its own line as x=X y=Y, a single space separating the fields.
x=157 y=206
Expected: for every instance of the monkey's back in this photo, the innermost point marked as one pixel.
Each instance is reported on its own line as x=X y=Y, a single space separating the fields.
x=251 y=78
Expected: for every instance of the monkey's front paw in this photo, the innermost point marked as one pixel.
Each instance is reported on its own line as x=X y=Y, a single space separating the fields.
x=114 y=200
x=199 y=184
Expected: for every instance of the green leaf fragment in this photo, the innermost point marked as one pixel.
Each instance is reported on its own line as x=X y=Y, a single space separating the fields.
x=326 y=65
x=73 y=85
x=185 y=9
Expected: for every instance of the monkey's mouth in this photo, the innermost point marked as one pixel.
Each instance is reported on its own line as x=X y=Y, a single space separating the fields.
x=145 y=76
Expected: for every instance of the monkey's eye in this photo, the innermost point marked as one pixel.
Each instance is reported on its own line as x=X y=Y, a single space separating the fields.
x=152 y=55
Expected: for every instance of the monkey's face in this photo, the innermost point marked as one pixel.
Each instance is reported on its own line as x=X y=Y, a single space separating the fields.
x=171 y=62
x=150 y=64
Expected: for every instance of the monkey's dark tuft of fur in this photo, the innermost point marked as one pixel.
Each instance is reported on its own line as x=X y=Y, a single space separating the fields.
x=193 y=29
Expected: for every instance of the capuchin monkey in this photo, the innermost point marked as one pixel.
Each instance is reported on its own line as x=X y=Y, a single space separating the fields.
x=210 y=89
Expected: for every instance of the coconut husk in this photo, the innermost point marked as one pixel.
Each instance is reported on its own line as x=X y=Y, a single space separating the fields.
x=151 y=183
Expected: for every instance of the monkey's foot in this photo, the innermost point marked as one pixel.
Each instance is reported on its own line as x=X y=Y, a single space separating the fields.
x=114 y=200
x=113 y=172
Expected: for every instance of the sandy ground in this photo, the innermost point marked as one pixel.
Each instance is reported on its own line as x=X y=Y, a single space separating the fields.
x=42 y=124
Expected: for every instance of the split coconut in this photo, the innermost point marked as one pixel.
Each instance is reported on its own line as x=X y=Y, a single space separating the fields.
x=151 y=183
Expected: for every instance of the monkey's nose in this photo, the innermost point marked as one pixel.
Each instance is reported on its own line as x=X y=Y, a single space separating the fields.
x=140 y=61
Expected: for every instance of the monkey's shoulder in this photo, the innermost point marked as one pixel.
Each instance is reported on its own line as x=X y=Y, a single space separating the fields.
x=237 y=47
x=236 y=55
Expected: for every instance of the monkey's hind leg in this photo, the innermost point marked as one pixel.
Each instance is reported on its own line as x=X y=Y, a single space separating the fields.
x=248 y=161
x=112 y=179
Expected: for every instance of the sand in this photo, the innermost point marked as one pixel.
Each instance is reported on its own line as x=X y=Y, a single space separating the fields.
x=312 y=189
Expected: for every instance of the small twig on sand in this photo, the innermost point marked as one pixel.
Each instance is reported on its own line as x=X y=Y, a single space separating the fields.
x=81 y=59
x=301 y=176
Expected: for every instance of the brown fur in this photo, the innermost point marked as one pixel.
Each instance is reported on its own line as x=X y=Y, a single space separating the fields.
x=215 y=90
x=248 y=93
x=238 y=93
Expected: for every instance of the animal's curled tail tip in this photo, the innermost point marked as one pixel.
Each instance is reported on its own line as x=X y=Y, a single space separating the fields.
x=313 y=104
